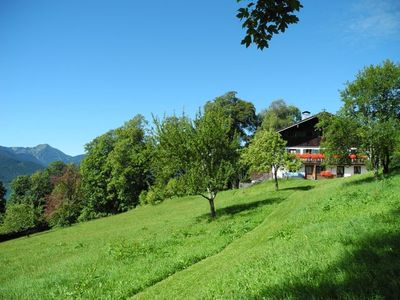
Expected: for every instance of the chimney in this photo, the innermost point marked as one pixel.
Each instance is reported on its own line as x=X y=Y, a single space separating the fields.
x=305 y=114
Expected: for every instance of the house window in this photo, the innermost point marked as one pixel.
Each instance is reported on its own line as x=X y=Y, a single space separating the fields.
x=320 y=169
x=340 y=171
x=357 y=169
x=309 y=169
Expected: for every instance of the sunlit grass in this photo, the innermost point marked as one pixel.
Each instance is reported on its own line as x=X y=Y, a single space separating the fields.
x=327 y=239
x=119 y=256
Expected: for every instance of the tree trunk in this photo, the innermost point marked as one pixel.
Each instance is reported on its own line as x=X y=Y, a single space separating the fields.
x=375 y=164
x=212 y=208
x=211 y=197
x=276 y=179
x=385 y=163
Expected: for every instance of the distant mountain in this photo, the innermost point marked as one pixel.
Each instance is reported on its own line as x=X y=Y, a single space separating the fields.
x=16 y=161
x=43 y=154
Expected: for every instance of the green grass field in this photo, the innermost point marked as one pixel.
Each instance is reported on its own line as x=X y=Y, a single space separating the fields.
x=327 y=239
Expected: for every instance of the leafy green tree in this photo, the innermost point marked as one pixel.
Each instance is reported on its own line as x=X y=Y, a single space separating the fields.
x=56 y=169
x=279 y=115
x=173 y=153
x=242 y=113
x=340 y=135
x=96 y=173
x=129 y=162
x=20 y=190
x=19 y=217
x=370 y=116
x=40 y=187
x=267 y=153
x=264 y=18
x=3 y=192
x=115 y=170
x=214 y=154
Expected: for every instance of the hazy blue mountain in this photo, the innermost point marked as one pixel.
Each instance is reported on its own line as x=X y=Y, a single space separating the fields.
x=16 y=161
x=44 y=154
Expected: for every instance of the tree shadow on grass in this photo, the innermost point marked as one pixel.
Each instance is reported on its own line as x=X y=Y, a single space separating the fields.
x=243 y=207
x=360 y=181
x=364 y=180
x=371 y=271
x=298 y=188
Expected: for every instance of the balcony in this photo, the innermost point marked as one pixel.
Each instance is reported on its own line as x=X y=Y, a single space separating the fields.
x=318 y=158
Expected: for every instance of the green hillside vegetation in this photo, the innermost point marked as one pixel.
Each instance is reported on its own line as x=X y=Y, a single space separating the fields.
x=328 y=239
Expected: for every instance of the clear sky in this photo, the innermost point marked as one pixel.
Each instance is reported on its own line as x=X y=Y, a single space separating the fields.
x=71 y=70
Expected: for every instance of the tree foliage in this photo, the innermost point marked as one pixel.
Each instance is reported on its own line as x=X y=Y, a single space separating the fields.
x=115 y=170
x=3 y=192
x=215 y=153
x=19 y=217
x=370 y=116
x=263 y=19
x=241 y=112
x=173 y=152
x=279 y=115
x=64 y=203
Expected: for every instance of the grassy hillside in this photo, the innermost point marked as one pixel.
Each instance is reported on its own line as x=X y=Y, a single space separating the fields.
x=333 y=238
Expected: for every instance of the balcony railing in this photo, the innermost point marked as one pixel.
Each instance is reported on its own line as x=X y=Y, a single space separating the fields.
x=319 y=157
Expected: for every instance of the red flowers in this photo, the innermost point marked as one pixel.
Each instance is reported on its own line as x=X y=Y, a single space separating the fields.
x=311 y=156
x=326 y=174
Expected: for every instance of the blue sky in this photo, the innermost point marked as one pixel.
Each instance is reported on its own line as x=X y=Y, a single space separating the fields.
x=71 y=70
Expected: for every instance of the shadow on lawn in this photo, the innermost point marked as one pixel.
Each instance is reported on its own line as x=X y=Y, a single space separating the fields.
x=298 y=188
x=360 y=181
x=238 y=208
x=370 y=271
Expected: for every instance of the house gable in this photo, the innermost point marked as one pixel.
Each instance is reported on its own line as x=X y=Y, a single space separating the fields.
x=302 y=134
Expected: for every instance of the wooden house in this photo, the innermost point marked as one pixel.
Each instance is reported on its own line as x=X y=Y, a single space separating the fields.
x=304 y=140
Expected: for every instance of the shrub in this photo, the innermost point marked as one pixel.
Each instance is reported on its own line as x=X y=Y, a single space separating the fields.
x=19 y=217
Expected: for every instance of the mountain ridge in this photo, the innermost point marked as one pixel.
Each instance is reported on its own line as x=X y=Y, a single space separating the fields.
x=17 y=161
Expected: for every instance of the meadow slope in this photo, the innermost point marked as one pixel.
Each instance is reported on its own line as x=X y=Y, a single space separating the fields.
x=332 y=238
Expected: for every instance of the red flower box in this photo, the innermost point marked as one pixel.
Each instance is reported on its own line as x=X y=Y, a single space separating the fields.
x=327 y=174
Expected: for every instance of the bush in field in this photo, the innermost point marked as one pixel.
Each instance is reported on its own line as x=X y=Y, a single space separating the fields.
x=19 y=217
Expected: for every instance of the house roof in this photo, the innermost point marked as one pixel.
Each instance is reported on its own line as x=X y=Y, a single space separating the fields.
x=300 y=122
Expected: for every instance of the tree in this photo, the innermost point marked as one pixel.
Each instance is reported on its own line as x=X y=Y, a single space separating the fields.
x=264 y=18
x=40 y=187
x=115 y=170
x=243 y=125
x=172 y=155
x=129 y=162
x=242 y=113
x=279 y=115
x=95 y=176
x=64 y=203
x=20 y=190
x=3 y=192
x=19 y=217
x=370 y=116
x=214 y=154
x=340 y=135
x=267 y=153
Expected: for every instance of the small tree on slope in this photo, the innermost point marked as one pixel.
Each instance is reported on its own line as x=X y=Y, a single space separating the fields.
x=267 y=153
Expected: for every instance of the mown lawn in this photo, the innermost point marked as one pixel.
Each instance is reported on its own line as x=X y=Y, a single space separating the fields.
x=119 y=256
x=340 y=240
x=327 y=239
